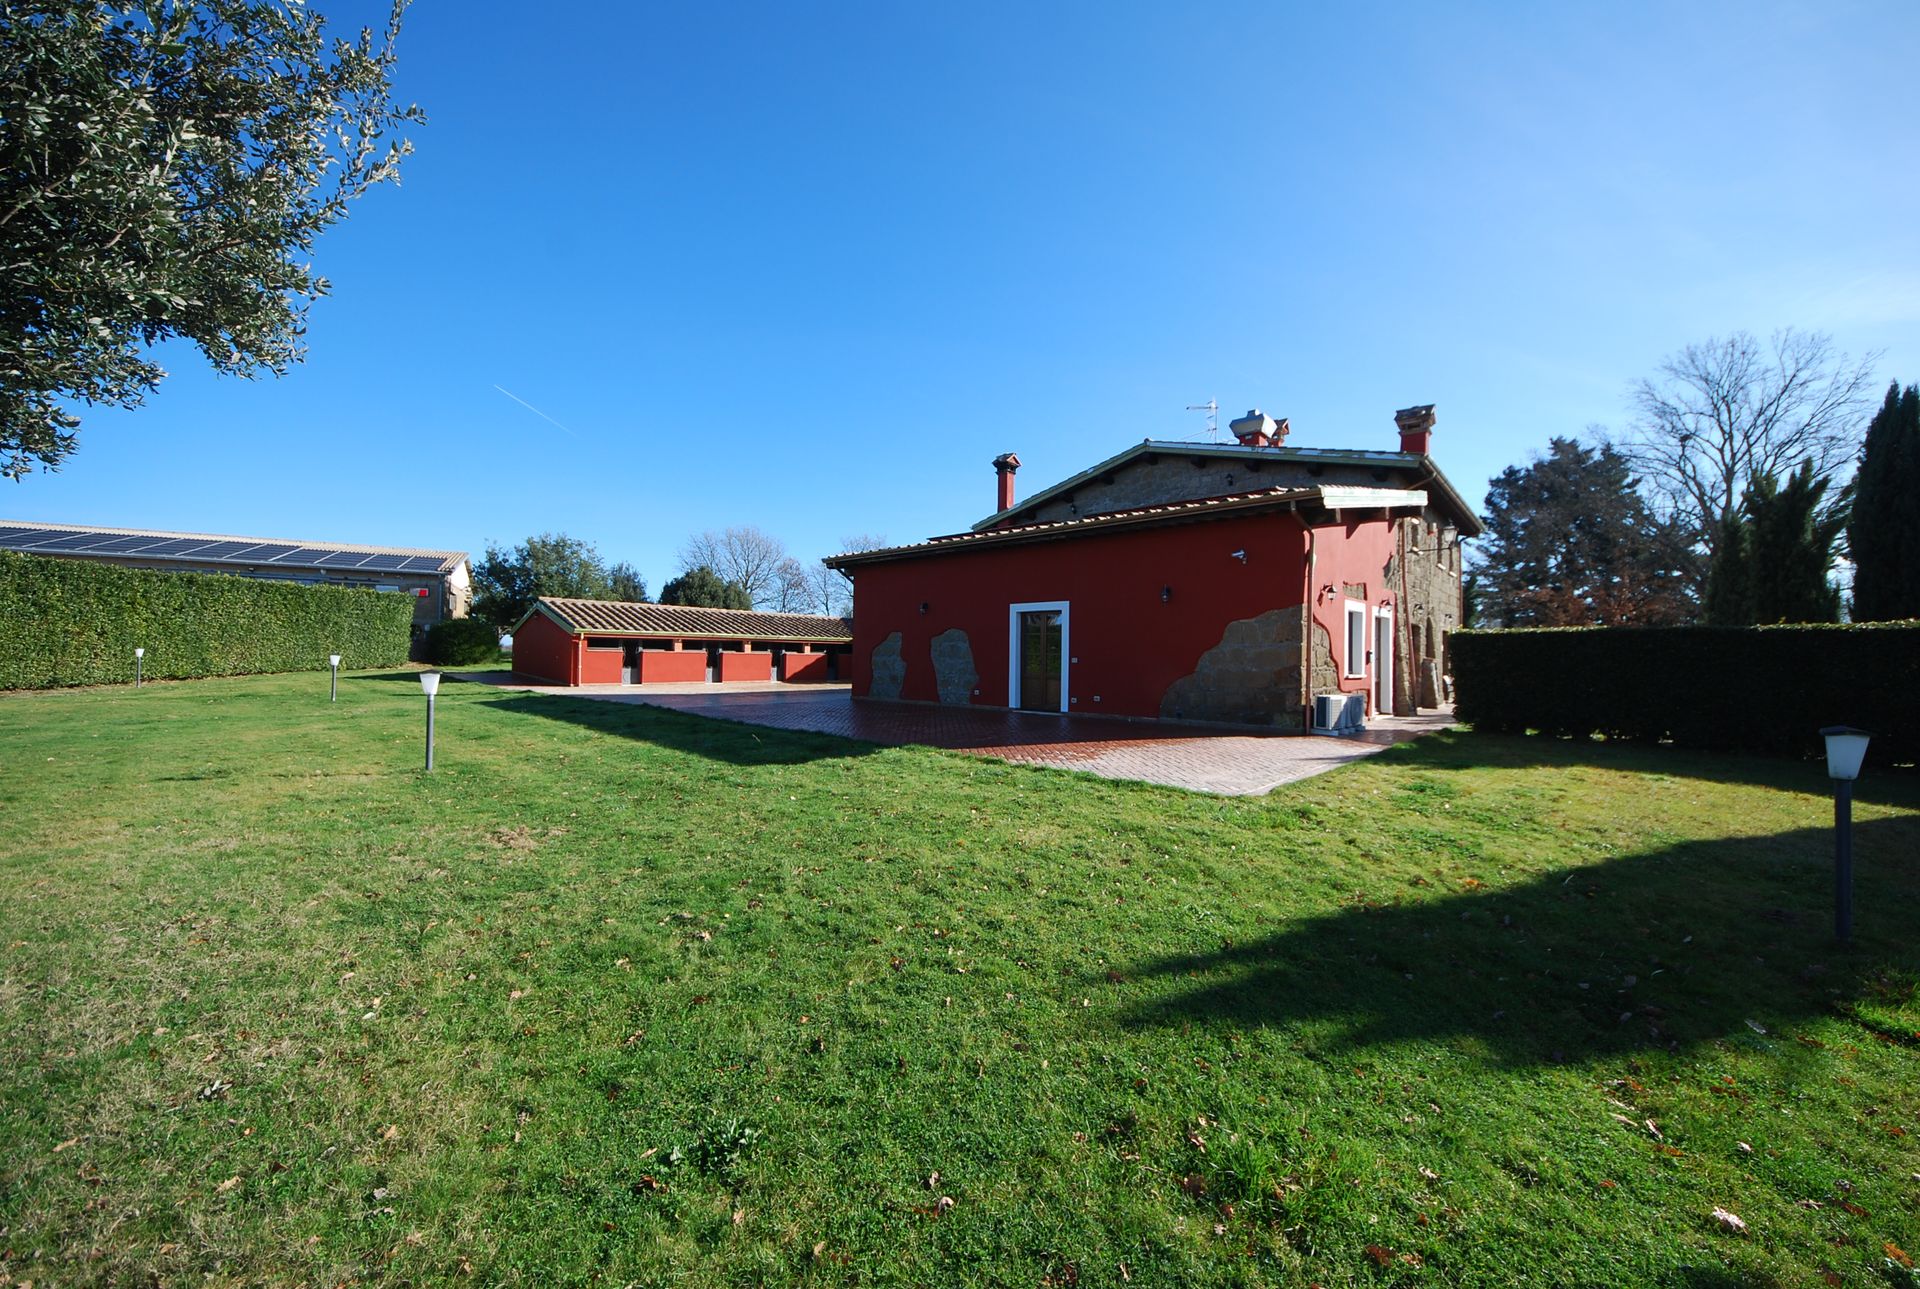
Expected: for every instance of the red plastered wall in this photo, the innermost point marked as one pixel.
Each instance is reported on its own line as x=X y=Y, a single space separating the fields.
x=542 y=649
x=1352 y=553
x=804 y=668
x=746 y=666
x=1128 y=644
x=600 y=666
x=660 y=666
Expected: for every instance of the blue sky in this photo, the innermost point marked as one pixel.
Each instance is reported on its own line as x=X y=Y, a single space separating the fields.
x=812 y=266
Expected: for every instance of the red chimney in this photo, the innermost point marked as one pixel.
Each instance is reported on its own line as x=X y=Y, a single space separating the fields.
x=1258 y=430
x=1004 y=465
x=1416 y=428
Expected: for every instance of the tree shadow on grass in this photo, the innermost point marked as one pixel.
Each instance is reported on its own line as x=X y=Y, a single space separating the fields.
x=715 y=738
x=1704 y=940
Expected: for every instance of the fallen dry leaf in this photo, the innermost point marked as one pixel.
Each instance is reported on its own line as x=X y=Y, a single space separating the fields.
x=1729 y=1222
x=1381 y=1255
x=68 y=1144
x=1898 y=1254
x=389 y=1132
x=228 y=1185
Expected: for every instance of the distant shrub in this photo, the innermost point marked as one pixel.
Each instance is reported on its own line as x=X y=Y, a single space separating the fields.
x=460 y=642
x=1758 y=689
x=77 y=622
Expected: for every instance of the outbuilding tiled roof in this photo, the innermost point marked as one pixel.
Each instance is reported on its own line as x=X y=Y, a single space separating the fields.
x=683 y=622
x=136 y=545
x=1318 y=498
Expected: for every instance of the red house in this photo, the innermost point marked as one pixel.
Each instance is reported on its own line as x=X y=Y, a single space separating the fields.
x=1236 y=583
x=606 y=642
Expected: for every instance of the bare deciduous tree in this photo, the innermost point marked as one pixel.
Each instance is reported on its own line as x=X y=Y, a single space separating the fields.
x=833 y=590
x=1723 y=411
x=793 y=591
x=743 y=555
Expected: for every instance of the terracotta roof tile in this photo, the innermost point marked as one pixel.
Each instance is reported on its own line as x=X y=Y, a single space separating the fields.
x=613 y=617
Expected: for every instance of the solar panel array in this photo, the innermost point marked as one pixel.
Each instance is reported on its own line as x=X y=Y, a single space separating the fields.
x=214 y=550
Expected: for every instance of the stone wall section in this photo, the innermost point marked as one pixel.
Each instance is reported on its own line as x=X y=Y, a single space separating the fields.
x=1324 y=677
x=887 y=672
x=1426 y=608
x=1169 y=476
x=953 y=671
x=1252 y=677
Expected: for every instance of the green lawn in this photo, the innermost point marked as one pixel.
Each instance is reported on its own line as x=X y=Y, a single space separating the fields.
x=626 y=997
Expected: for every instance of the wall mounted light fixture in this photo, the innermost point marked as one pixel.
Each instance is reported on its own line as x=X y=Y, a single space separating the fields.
x=923 y=606
x=1166 y=594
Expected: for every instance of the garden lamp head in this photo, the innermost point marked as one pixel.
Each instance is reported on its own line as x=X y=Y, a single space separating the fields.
x=430 y=682
x=1846 y=748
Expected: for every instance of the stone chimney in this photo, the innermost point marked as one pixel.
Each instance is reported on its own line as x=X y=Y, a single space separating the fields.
x=1004 y=465
x=1416 y=428
x=1258 y=430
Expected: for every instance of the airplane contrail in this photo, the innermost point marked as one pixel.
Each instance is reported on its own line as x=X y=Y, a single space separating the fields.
x=531 y=408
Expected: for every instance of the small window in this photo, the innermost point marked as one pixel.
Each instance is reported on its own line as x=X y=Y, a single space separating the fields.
x=1356 y=639
x=594 y=642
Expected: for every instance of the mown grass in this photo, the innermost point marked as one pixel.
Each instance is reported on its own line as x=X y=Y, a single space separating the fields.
x=277 y=1007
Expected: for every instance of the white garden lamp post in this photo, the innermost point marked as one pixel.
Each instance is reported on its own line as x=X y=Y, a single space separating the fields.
x=139 y=653
x=430 y=682
x=1846 y=748
x=333 y=687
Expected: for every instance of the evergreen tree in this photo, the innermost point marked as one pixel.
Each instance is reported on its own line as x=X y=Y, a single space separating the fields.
x=508 y=580
x=165 y=170
x=1772 y=560
x=1729 y=597
x=1570 y=541
x=625 y=583
x=701 y=587
x=1883 y=536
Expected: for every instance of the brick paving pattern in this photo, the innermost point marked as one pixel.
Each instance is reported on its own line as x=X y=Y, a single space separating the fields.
x=1197 y=758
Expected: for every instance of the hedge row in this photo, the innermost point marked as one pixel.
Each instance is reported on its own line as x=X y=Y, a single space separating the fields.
x=77 y=622
x=461 y=642
x=1760 y=689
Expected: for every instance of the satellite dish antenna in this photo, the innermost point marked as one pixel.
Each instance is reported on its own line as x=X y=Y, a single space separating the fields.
x=1212 y=408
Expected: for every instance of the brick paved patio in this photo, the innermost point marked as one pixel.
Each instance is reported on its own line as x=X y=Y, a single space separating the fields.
x=1197 y=758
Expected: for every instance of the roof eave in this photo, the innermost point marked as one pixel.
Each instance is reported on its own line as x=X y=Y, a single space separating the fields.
x=1198 y=510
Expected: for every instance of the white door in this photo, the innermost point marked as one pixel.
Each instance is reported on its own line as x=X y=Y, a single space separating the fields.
x=1383 y=662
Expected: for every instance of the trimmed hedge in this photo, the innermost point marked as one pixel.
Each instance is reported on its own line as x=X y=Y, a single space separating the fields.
x=1758 y=689
x=76 y=622
x=459 y=642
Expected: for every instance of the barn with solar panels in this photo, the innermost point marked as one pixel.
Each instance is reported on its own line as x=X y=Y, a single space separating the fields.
x=438 y=581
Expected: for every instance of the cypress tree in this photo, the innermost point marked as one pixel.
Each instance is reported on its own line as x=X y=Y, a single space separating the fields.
x=1729 y=597
x=1884 y=535
x=1774 y=553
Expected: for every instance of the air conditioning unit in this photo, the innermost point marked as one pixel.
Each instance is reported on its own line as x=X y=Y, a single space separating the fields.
x=1339 y=713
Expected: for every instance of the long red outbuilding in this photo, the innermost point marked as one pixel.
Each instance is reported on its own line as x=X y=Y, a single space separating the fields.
x=604 y=642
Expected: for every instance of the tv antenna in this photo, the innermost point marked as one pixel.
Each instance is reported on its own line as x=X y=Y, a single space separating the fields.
x=1212 y=408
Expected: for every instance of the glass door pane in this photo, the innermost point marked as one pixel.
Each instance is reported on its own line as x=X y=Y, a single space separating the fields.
x=1040 y=661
